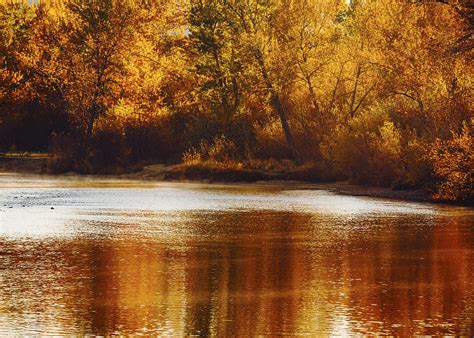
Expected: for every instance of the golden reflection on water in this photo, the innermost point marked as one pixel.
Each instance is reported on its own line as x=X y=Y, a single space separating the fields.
x=391 y=281
x=240 y=272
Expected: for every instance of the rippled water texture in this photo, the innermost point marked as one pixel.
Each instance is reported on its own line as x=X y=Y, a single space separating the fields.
x=135 y=257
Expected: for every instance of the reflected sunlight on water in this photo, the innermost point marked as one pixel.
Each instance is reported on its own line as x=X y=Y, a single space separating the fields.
x=192 y=259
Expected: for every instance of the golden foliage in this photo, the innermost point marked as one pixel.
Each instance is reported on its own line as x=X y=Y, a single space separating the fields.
x=453 y=164
x=363 y=90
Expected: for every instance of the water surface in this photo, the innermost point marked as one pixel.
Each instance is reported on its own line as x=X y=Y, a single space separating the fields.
x=122 y=257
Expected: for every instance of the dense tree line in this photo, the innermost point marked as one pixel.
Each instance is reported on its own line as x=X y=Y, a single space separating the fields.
x=376 y=91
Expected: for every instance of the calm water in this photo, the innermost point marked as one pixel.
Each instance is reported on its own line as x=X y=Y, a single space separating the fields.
x=191 y=259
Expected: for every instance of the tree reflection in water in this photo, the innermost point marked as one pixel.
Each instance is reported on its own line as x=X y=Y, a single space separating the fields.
x=246 y=272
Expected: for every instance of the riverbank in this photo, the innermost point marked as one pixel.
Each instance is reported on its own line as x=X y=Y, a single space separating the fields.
x=37 y=164
x=297 y=178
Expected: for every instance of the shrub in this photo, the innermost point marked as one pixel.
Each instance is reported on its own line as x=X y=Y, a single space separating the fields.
x=453 y=166
x=356 y=149
x=370 y=148
x=385 y=158
x=192 y=156
x=415 y=170
x=221 y=151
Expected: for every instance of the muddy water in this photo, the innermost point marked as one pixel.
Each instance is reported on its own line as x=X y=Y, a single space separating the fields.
x=189 y=259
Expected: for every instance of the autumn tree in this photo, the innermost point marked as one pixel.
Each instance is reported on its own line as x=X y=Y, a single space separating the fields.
x=31 y=104
x=359 y=90
x=217 y=59
x=251 y=22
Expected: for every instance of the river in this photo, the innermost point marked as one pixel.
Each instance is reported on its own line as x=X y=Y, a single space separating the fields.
x=102 y=257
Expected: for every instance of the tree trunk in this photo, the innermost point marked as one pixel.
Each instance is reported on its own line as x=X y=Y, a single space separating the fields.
x=222 y=84
x=283 y=119
x=354 y=91
x=276 y=102
x=317 y=110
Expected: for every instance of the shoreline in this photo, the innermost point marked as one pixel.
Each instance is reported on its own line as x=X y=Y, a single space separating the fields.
x=37 y=166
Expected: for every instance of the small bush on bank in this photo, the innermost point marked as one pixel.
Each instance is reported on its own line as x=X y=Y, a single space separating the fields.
x=372 y=149
x=453 y=165
x=365 y=149
x=221 y=152
x=415 y=169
